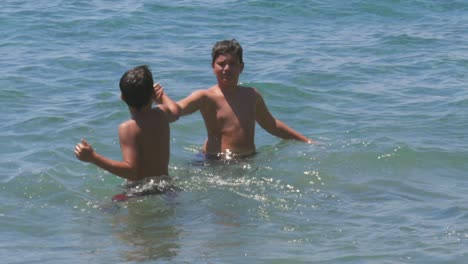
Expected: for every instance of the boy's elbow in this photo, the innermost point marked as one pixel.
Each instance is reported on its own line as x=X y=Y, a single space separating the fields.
x=125 y=171
x=174 y=115
x=177 y=111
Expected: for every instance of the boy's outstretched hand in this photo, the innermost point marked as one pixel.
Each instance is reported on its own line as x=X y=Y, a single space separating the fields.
x=84 y=151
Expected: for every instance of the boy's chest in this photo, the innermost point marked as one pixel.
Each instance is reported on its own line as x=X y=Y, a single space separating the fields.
x=235 y=111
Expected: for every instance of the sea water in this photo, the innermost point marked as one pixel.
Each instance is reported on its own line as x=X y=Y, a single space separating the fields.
x=382 y=85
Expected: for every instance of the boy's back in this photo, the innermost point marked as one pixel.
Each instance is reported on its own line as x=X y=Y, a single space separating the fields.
x=147 y=137
x=144 y=139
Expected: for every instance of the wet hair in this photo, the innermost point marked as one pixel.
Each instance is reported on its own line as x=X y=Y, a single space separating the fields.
x=136 y=86
x=227 y=47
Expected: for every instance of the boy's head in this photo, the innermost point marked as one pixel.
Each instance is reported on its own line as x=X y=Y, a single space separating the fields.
x=227 y=46
x=136 y=86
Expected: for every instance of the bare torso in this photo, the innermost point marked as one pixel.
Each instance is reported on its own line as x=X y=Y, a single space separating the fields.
x=230 y=120
x=150 y=131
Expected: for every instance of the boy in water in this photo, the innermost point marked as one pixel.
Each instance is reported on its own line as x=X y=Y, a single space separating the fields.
x=230 y=110
x=144 y=139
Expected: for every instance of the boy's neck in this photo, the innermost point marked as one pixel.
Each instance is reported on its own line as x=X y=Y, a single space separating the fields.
x=135 y=112
x=228 y=88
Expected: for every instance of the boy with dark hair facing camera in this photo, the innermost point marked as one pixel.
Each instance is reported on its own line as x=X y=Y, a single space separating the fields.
x=230 y=110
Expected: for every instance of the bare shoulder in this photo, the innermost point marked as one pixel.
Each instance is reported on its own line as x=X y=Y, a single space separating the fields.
x=127 y=124
x=158 y=120
x=213 y=90
x=250 y=91
x=158 y=112
x=196 y=96
x=202 y=92
x=128 y=128
x=206 y=95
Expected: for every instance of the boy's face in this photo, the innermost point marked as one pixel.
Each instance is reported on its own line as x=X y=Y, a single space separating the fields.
x=227 y=69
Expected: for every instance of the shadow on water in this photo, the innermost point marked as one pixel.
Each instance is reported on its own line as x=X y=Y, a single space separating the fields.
x=146 y=227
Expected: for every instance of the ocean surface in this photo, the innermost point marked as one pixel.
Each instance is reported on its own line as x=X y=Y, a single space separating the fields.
x=382 y=85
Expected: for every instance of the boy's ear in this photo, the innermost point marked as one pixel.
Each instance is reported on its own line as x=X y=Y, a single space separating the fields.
x=122 y=97
x=242 y=67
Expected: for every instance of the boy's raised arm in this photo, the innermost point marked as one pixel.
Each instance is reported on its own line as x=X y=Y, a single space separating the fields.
x=274 y=126
x=166 y=104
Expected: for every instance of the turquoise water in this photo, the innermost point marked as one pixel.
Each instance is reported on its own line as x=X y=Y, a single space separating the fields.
x=381 y=84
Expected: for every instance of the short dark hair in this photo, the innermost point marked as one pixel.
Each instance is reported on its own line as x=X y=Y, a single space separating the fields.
x=136 y=86
x=227 y=46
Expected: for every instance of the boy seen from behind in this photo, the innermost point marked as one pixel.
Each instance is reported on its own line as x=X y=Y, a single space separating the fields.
x=144 y=138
